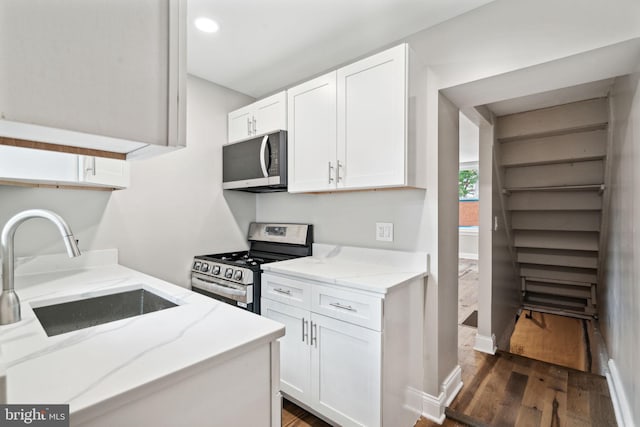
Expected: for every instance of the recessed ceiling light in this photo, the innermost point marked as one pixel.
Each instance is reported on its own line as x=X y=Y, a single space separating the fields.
x=206 y=25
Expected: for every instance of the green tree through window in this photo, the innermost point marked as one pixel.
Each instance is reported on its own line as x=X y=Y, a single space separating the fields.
x=467 y=180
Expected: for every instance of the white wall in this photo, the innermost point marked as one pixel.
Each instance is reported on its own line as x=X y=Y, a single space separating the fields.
x=469 y=140
x=350 y=218
x=620 y=293
x=505 y=297
x=507 y=35
x=174 y=209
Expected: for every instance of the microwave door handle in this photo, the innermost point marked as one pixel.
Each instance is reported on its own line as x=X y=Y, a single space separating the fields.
x=263 y=149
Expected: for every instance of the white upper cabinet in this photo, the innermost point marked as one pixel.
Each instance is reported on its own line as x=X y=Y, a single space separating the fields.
x=264 y=116
x=103 y=172
x=312 y=125
x=101 y=75
x=29 y=166
x=372 y=101
x=359 y=127
x=26 y=166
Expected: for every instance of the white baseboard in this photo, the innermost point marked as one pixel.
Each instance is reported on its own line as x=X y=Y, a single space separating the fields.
x=486 y=344
x=624 y=417
x=433 y=406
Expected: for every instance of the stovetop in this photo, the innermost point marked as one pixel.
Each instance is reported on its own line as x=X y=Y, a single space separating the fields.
x=242 y=259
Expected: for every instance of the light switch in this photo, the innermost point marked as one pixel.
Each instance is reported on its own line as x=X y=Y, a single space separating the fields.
x=384 y=231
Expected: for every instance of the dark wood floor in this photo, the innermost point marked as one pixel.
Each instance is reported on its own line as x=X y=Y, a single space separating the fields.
x=294 y=416
x=507 y=389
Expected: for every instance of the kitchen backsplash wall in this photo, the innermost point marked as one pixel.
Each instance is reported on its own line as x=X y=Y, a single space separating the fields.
x=174 y=209
x=349 y=218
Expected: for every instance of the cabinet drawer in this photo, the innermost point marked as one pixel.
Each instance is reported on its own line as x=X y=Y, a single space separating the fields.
x=283 y=289
x=348 y=306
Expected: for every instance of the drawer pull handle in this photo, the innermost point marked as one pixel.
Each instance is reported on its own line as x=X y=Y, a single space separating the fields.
x=282 y=291
x=344 y=307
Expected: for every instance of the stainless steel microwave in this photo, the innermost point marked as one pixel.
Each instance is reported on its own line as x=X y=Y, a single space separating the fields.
x=258 y=165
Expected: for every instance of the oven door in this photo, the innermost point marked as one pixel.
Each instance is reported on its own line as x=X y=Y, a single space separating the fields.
x=222 y=290
x=259 y=162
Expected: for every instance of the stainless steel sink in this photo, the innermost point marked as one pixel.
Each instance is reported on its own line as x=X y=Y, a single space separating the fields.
x=73 y=315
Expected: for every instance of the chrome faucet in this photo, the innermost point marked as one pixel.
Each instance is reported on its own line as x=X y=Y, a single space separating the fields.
x=9 y=302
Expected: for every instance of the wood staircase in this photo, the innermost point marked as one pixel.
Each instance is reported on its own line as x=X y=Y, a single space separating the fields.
x=553 y=163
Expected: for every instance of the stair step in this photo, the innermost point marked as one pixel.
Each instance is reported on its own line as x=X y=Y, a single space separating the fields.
x=582 y=313
x=553 y=272
x=550 y=200
x=558 y=289
x=557 y=188
x=577 y=146
x=555 y=175
x=554 y=120
x=570 y=240
x=556 y=301
x=580 y=259
x=556 y=220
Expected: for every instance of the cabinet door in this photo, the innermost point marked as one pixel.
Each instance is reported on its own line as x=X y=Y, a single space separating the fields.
x=346 y=371
x=112 y=68
x=103 y=171
x=372 y=96
x=312 y=135
x=294 y=348
x=240 y=124
x=37 y=166
x=270 y=114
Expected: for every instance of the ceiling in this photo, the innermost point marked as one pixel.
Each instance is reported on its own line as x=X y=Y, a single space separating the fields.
x=597 y=89
x=263 y=46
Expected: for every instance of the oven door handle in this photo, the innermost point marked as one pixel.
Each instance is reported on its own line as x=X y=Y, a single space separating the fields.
x=263 y=163
x=223 y=290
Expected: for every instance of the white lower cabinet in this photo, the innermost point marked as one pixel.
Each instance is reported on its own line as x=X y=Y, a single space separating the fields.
x=331 y=357
x=330 y=365
x=295 y=352
x=345 y=371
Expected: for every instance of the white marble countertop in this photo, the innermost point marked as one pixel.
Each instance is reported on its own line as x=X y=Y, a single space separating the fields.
x=95 y=367
x=373 y=270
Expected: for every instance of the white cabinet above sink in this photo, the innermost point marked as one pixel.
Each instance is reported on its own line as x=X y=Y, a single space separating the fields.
x=98 y=78
x=31 y=167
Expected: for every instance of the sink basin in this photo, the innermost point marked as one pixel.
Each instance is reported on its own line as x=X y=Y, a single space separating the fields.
x=70 y=316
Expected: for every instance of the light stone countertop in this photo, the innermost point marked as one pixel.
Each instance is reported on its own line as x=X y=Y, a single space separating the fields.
x=96 y=368
x=372 y=270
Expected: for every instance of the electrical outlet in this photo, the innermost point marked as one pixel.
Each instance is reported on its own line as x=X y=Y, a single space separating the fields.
x=384 y=231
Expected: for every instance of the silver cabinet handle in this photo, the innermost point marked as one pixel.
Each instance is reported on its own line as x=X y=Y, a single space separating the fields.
x=338 y=177
x=263 y=163
x=254 y=125
x=341 y=306
x=92 y=168
x=314 y=334
x=282 y=291
x=305 y=330
x=330 y=169
x=248 y=126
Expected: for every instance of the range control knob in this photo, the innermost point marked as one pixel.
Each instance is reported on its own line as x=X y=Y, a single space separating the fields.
x=205 y=267
x=196 y=265
x=216 y=270
x=238 y=275
x=228 y=273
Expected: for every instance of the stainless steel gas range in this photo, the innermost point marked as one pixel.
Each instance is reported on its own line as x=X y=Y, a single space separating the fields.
x=234 y=277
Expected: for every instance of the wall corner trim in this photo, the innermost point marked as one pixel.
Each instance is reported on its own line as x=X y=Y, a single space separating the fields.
x=433 y=406
x=486 y=344
x=624 y=417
